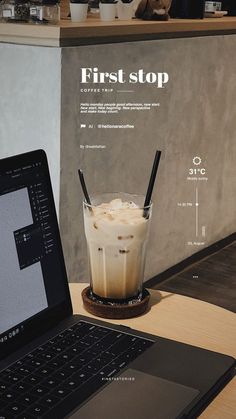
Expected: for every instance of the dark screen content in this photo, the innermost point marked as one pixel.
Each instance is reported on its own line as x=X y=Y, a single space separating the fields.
x=37 y=242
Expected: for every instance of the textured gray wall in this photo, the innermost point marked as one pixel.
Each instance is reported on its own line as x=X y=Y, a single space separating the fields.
x=197 y=117
x=30 y=91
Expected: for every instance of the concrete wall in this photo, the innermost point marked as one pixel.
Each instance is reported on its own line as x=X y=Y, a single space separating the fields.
x=30 y=92
x=197 y=117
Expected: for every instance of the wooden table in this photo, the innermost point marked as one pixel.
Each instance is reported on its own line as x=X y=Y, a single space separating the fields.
x=190 y=321
x=67 y=33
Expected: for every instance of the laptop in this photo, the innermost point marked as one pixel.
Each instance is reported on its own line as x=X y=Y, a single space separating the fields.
x=54 y=364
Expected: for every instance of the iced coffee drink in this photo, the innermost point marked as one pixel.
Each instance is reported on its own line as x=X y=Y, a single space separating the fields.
x=116 y=229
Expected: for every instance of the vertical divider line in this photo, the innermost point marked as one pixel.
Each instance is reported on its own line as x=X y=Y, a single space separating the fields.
x=197 y=204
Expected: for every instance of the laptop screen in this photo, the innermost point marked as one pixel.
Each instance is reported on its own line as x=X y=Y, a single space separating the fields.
x=32 y=278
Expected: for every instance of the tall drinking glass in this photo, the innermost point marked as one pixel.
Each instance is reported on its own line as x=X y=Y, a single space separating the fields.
x=116 y=229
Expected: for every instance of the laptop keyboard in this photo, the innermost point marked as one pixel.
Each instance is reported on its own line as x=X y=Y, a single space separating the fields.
x=83 y=357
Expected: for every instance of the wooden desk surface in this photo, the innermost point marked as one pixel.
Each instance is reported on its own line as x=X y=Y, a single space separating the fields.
x=190 y=321
x=92 y=30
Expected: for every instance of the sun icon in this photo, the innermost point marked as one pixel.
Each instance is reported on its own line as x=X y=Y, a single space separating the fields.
x=197 y=160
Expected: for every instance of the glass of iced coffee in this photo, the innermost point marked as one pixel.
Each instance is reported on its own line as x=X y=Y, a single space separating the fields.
x=116 y=229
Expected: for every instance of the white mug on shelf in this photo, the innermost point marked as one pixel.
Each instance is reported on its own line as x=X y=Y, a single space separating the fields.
x=125 y=10
x=78 y=12
x=107 y=11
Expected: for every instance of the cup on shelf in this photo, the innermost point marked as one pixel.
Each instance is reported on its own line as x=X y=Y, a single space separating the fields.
x=125 y=9
x=108 y=10
x=78 y=10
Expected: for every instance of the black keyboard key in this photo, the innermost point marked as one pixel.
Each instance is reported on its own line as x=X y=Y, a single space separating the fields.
x=121 y=345
x=76 y=326
x=37 y=410
x=72 y=383
x=53 y=341
x=78 y=365
x=13 y=378
x=47 y=356
x=38 y=351
x=66 y=357
x=39 y=391
x=72 y=367
x=33 y=379
x=91 y=369
x=94 y=351
x=82 y=327
x=78 y=335
x=63 y=374
x=72 y=328
x=45 y=371
x=29 y=356
x=99 y=332
x=145 y=343
x=28 y=399
x=48 y=348
x=82 y=375
x=108 y=356
x=63 y=334
x=36 y=363
x=25 y=370
x=107 y=341
x=129 y=356
x=96 y=336
x=107 y=372
x=101 y=361
x=51 y=382
x=57 y=349
x=18 y=363
x=119 y=363
x=54 y=364
x=4 y=386
x=96 y=365
x=8 y=396
x=75 y=350
x=81 y=362
x=61 y=392
x=103 y=330
x=83 y=358
x=92 y=327
x=16 y=409
x=67 y=342
x=49 y=400
x=87 y=340
x=22 y=387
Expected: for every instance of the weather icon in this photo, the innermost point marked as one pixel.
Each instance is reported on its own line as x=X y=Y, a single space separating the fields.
x=197 y=160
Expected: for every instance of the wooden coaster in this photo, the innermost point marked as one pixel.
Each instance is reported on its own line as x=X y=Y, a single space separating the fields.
x=114 y=311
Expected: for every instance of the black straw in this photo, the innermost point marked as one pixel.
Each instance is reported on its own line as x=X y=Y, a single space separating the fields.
x=151 y=183
x=83 y=185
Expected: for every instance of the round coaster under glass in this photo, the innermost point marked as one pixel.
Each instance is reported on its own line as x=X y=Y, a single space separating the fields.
x=114 y=310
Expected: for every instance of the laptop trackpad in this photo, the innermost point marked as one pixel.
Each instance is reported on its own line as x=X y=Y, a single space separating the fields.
x=138 y=395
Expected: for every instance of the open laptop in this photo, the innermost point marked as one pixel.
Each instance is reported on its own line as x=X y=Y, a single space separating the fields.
x=54 y=364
